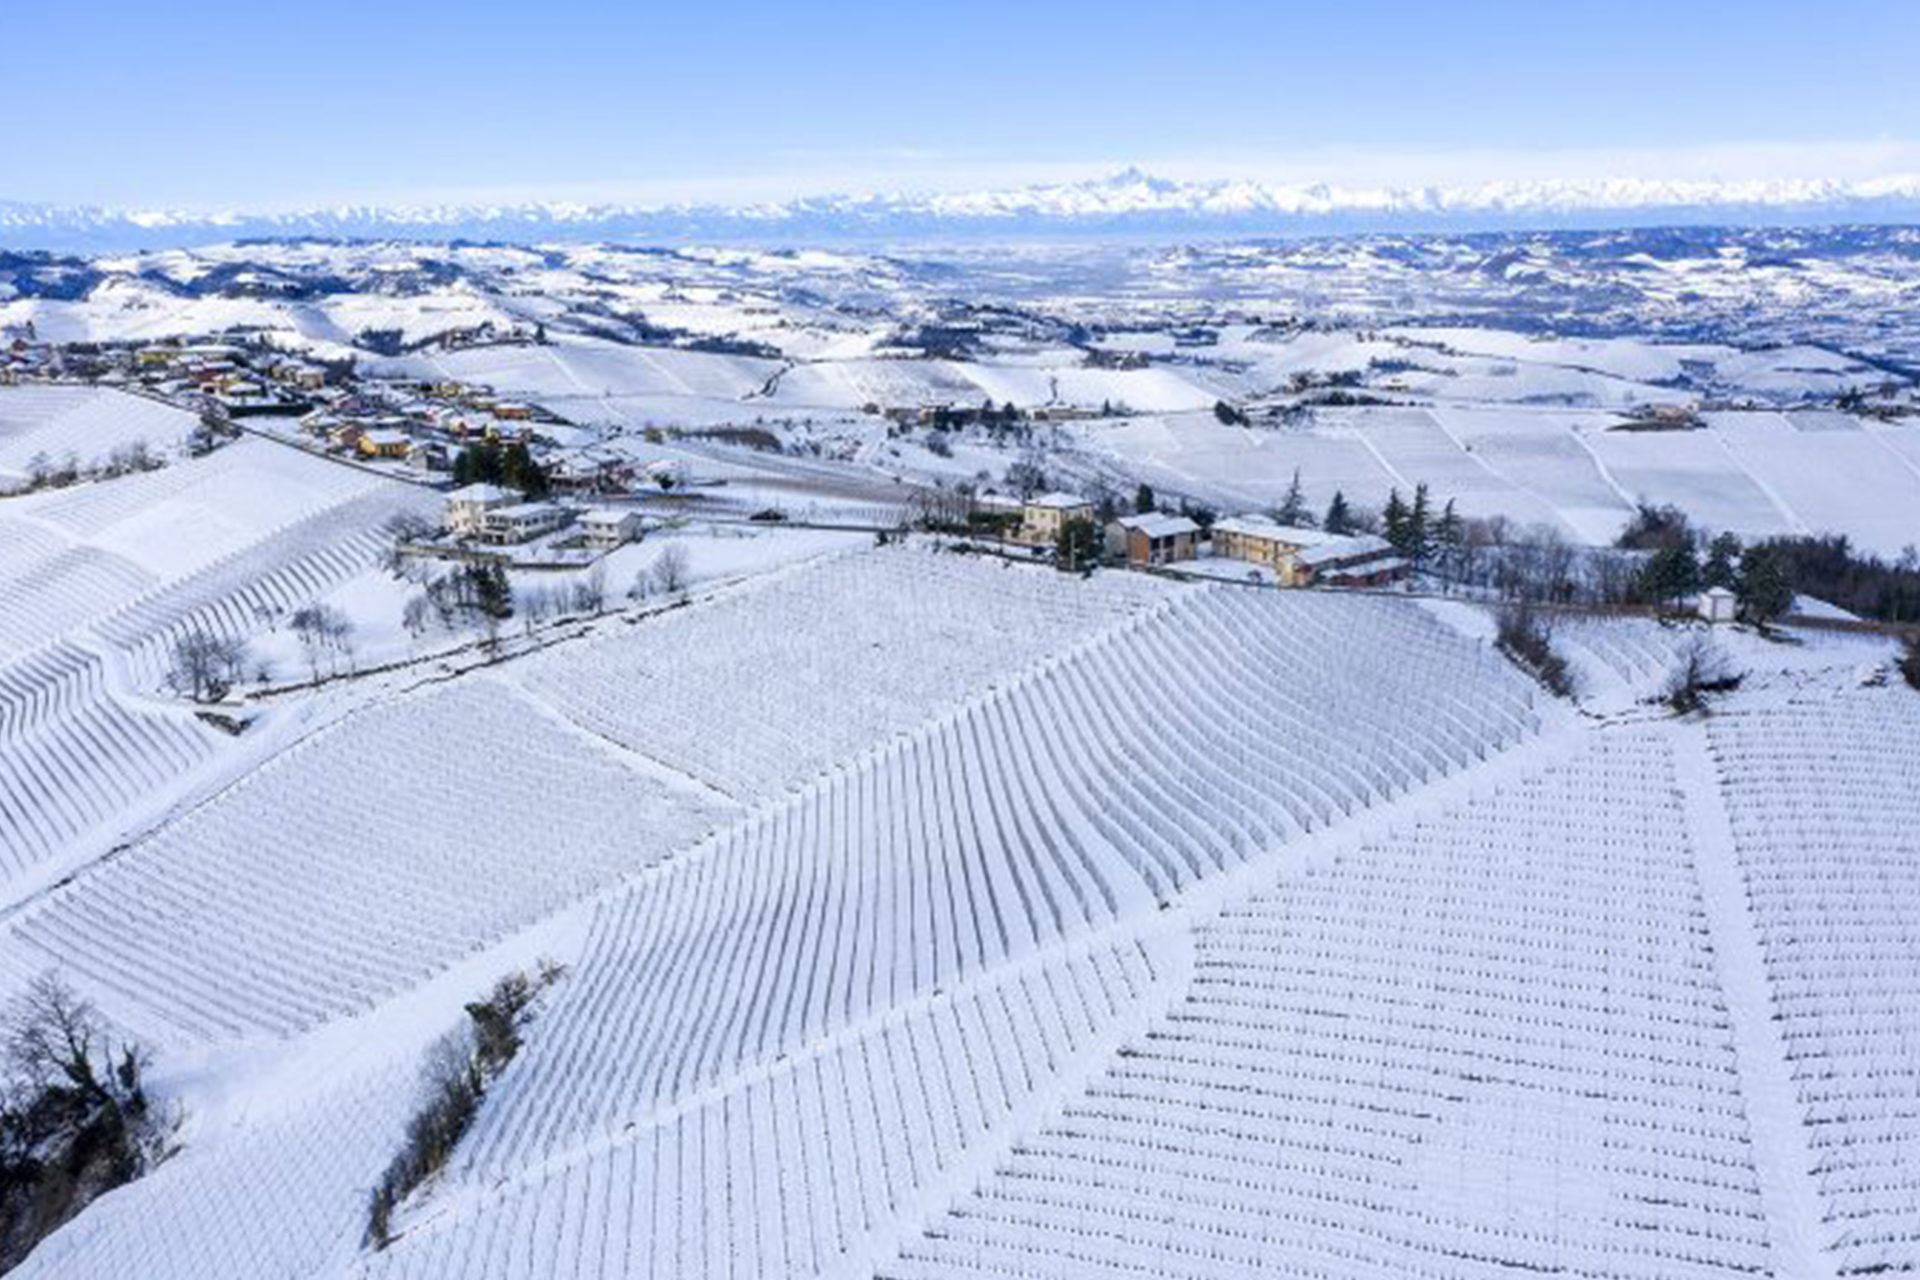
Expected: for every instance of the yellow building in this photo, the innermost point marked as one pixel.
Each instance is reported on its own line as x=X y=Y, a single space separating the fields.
x=1042 y=518
x=1267 y=543
x=384 y=444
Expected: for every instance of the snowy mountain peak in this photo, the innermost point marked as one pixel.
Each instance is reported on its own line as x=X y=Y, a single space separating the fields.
x=1128 y=201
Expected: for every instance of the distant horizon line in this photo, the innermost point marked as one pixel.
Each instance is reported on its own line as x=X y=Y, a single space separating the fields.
x=1123 y=203
x=1622 y=190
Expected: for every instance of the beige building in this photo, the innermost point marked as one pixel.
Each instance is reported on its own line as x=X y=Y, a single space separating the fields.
x=523 y=522
x=466 y=511
x=604 y=528
x=1042 y=518
x=1153 y=538
x=1301 y=557
x=1264 y=542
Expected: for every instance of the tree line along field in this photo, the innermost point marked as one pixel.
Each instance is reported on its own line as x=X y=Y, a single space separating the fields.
x=927 y=915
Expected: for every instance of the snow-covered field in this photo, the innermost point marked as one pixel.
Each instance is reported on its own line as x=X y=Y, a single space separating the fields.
x=1498 y=372
x=926 y=914
x=1825 y=819
x=1755 y=474
x=100 y=577
x=1491 y=1041
x=85 y=424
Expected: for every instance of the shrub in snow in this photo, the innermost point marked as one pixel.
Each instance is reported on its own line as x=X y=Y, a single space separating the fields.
x=1699 y=669
x=458 y=1068
x=1525 y=637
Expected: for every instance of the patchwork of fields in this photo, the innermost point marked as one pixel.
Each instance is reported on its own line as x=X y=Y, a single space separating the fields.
x=1298 y=922
x=928 y=915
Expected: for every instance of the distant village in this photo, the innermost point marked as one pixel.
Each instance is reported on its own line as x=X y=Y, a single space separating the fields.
x=423 y=427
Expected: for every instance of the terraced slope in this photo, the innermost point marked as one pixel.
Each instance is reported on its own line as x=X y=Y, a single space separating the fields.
x=1490 y=1044
x=1823 y=794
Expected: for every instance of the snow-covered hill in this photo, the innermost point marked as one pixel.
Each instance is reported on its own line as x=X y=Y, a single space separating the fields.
x=1039 y=930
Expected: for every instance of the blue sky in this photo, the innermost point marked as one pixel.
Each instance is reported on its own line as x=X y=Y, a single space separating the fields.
x=210 y=105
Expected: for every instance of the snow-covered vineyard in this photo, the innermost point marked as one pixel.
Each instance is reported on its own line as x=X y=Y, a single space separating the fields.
x=929 y=916
x=95 y=582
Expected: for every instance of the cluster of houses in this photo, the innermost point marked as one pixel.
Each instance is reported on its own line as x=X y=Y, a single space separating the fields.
x=420 y=423
x=235 y=378
x=23 y=357
x=240 y=380
x=494 y=516
x=1293 y=555
x=424 y=424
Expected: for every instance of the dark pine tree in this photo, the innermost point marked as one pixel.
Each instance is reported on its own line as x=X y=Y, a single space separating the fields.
x=1339 y=519
x=1293 y=508
x=1394 y=520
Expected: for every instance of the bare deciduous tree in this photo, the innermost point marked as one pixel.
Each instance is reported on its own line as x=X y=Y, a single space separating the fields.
x=590 y=592
x=205 y=666
x=1700 y=668
x=323 y=631
x=670 y=570
x=416 y=614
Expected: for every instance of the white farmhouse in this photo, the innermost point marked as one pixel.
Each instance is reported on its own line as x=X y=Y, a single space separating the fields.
x=524 y=521
x=605 y=528
x=466 y=511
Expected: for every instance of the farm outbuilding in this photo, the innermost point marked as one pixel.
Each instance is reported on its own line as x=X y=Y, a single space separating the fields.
x=1357 y=560
x=1153 y=538
x=1717 y=605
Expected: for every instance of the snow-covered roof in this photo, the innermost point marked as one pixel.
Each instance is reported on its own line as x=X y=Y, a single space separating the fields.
x=1059 y=501
x=527 y=511
x=385 y=437
x=1337 y=548
x=482 y=493
x=1158 y=524
x=1372 y=565
x=1258 y=526
x=607 y=516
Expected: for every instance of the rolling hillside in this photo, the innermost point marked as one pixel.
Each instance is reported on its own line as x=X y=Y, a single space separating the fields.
x=1044 y=927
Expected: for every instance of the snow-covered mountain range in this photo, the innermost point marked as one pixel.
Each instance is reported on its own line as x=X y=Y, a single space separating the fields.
x=1128 y=202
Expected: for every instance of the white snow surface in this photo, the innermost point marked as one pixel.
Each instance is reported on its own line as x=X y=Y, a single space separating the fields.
x=933 y=915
